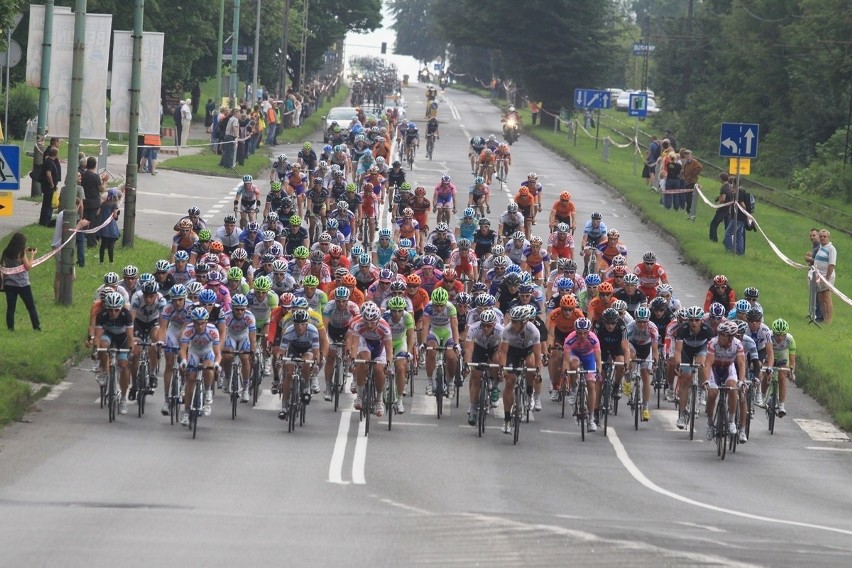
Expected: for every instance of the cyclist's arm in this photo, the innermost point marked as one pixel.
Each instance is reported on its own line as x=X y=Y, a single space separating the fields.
x=501 y=353
x=454 y=328
x=770 y=354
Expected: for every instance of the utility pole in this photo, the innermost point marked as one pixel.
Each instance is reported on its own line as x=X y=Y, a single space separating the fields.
x=282 y=71
x=132 y=171
x=69 y=190
x=645 y=41
x=43 y=97
x=687 y=70
x=256 y=48
x=235 y=47
x=219 y=53
x=304 y=45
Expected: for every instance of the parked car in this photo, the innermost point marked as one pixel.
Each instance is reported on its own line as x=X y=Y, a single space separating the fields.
x=623 y=101
x=343 y=116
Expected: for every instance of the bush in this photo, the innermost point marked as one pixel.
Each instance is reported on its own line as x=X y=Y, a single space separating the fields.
x=825 y=174
x=23 y=105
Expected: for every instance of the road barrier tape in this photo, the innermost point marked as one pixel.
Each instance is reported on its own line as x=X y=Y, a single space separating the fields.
x=784 y=258
x=708 y=202
x=814 y=274
x=616 y=144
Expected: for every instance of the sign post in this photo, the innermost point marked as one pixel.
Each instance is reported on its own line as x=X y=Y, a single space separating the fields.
x=738 y=141
x=10 y=168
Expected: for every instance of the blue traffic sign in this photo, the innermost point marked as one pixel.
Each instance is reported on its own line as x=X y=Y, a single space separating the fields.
x=591 y=98
x=10 y=167
x=638 y=105
x=737 y=140
x=642 y=49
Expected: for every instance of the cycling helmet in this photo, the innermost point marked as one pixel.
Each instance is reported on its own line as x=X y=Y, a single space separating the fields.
x=300 y=316
x=485 y=221
x=463 y=299
x=111 y=279
x=385 y=275
x=301 y=252
x=440 y=296
x=512 y=279
x=727 y=328
x=610 y=315
x=230 y=220
x=649 y=257
x=408 y=212
x=518 y=236
x=335 y=251
x=619 y=260
x=742 y=327
x=146 y=277
x=402 y=253
x=413 y=280
x=570 y=266
x=442 y=227
x=514 y=269
x=349 y=280
x=488 y=316
x=593 y=280
x=199 y=314
x=384 y=233
x=468 y=213
x=564 y=284
x=295 y=221
x=131 y=271
x=519 y=313
x=214 y=277
x=717 y=310
x=310 y=281
x=342 y=206
x=562 y=228
x=205 y=235
x=342 y=293
x=596 y=216
x=694 y=312
x=397 y=303
x=149 y=288
x=664 y=290
x=720 y=280
x=253 y=227
x=478 y=288
x=429 y=248
x=619 y=271
x=642 y=313
x=317 y=256
x=268 y=236
x=239 y=254
x=113 y=301
x=405 y=243
x=370 y=311
x=498 y=250
x=306 y=146
x=583 y=324
x=568 y=302
x=247 y=179
x=485 y=301
x=605 y=288
x=300 y=302
x=364 y=259
x=340 y=272
x=631 y=280
x=397 y=286
x=613 y=234
x=659 y=304
x=217 y=247
x=751 y=293
x=535 y=240
x=201 y=268
x=524 y=190
x=445 y=179
x=239 y=301
x=163 y=265
x=286 y=299
x=177 y=291
x=324 y=238
x=262 y=283
x=185 y=224
x=501 y=262
x=207 y=296
x=618 y=305
x=275 y=186
x=357 y=251
x=754 y=315
x=742 y=306
x=780 y=326
x=526 y=277
x=525 y=288
x=267 y=258
x=464 y=244
x=272 y=217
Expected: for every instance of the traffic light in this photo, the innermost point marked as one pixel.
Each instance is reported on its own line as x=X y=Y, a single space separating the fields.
x=384 y=47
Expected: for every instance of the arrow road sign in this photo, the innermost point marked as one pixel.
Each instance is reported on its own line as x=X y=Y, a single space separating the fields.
x=7 y=201
x=591 y=98
x=10 y=166
x=737 y=140
x=638 y=105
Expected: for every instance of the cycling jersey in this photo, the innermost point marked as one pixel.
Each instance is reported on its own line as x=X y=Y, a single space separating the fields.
x=261 y=308
x=563 y=211
x=486 y=341
x=782 y=349
x=467 y=229
x=633 y=300
x=247 y=196
x=230 y=241
x=564 y=323
x=761 y=336
x=385 y=254
x=147 y=313
x=283 y=282
x=593 y=234
x=511 y=222
x=582 y=347
x=478 y=191
x=200 y=343
x=723 y=359
x=527 y=337
x=516 y=252
x=642 y=339
x=694 y=341
x=649 y=277
x=561 y=248
x=463 y=263
x=444 y=192
x=114 y=327
x=238 y=330
x=378 y=334
x=399 y=331
x=298 y=344
x=535 y=259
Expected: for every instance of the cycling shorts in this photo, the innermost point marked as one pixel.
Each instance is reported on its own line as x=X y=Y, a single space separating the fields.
x=482 y=354
x=690 y=353
x=508 y=230
x=517 y=356
x=526 y=211
x=143 y=330
x=611 y=351
x=375 y=348
x=197 y=358
x=173 y=339
x=237 y=343
x=318 y=208
x=719 y=374
x=587 y=361
x=119 y=341
x=443 y=199
x=442 y=336
x=336 y=333
x=644 y=352
x=298 y=189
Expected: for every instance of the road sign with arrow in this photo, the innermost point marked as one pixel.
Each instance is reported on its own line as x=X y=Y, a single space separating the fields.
x=7 y=203
x=591 y=98
x=737 y=140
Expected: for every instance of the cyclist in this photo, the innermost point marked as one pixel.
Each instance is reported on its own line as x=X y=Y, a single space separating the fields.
x=784 y=352
x=307 y=157
x=146 y=305
x=299 y=339
x=240 y=340
x=560 y=323
x=487 y=161
x=228 y=235
x=535 y=190
x=516 y=247
x=296 y=182
x=520 y=347
x=611 y=331
x=345 y=219
x=173 y=319
x=163 y=276
x=481 y=345
x=526 y=202
x=631 y=294
x=370 y=338
x=432 y=130
x=114 y=328
x=582 y=346
x=199 y=351
x=720 y=292
x=691 y=339
x=563 y=211
x=593 y=232
x=725 y=363
x=383 y=252
x=503 y=154
x=184 y=239
x=318 y=197
x=396 y=179
x=440 y=320
x=401 y=323
x=379 y=290
x=535 y=259
x=444 y=195
x=420 y=211
x=247 y=200
x=479 y=195
x=337 y=316
x=510 y=222
x=370 y=209
x=130 y=282
x=610 y=248
x=317 y=299
x=412 y=141
x=762 y=336
x=279 y=169
x=643 y=338
x=274 y=199
x=193 y=214
x=476 y=146
x=651 y=274
x=467 y=225
x=443 y=239
x=464 y=261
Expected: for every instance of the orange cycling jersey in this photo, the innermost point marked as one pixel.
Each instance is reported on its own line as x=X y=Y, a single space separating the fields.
x=406 y=230
x=382 y=150
x=486 y=159
x=356 y=295
x=535 y=257
x=419 y=299
x=597 y=307
x=563 y=323
x=523 y=200
x=563 y=209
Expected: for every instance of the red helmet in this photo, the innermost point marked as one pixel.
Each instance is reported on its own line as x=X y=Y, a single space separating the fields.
x=334 y=251
x=450 y=274
x=720 y=280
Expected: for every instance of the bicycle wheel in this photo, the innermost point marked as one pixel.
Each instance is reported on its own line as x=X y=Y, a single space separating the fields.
x=390 y=387
x=234 y=387
x=659 y=381
x=112 y=398
x=483 y=401
x=517 y=410
x=336 y=379
x=721 y=427
x=368 y=400
x=439 y=389
x=770 y=410
x=303 y=409
x=563 y=393
x=142 y=386
x=196 y=406
x=293 y=401
x=457 y=383
x=732 y=436
x=605 y=401
x=580 y=403
x=637 y=403
x=749 y=409
x=693 y=395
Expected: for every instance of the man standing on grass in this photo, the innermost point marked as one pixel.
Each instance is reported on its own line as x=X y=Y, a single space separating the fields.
x=176 y=115
x=825 y=261
x=185 y=121
x=809 y=257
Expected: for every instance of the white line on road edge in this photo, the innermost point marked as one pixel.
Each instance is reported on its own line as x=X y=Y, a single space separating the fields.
x=360 y=455
x=828 y=449
x=621 y=454
x=335 y=468
x=705 y=527
x=821 y=430
x=59 y=389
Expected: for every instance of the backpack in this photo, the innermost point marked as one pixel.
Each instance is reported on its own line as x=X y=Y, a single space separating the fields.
x=752 y=203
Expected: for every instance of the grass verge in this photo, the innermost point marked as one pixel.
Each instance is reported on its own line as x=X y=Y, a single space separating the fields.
x=207 y=163
x=29 y=356
x=825 y=354
x=314 y=122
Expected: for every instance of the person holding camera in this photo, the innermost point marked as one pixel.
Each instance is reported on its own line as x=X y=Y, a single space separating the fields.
x=17 y=254
x=109 y=234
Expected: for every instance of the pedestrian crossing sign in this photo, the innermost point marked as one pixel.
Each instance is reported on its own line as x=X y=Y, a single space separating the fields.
x=10 y=167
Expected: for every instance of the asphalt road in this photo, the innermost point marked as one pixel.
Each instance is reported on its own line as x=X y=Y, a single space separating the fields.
x=77 y=491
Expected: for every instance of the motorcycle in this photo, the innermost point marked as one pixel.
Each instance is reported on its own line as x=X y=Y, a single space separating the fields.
x=511 y=131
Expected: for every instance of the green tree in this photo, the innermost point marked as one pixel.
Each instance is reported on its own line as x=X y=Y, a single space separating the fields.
x=416 y=33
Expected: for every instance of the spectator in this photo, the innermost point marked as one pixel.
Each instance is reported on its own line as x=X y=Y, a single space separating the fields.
x=185 y=121
x=825 y=261
x=109 y=234
x=692 y=168
x=93 y=186
x=209 y=113
x=809 y=257
x=17 y=284
x=51 y=174
x=735 y=232
x=535 y=108
x=672 y=142
x=229 y=145
x=57 y=242
x=176 y=115
x=651 y=157
x=672 y=168
x=723 y=214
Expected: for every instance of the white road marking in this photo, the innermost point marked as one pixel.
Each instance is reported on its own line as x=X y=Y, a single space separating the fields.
x=821 y=430
x=175 y=195
x=56 y=390
x=335 y=468
x=705 y=527
x=827 y=449
x=360 y=455
x=621 y=454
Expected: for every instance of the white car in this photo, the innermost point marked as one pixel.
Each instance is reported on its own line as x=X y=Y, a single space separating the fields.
x=343 y=116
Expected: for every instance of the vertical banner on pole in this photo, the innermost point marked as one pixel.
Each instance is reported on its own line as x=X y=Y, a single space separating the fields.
x=34 y=40
x=149 y=97
x=62 y=56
